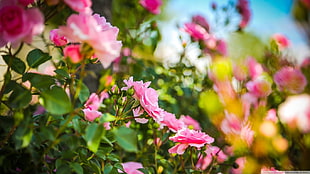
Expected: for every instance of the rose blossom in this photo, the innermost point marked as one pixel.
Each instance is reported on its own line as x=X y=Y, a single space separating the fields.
x=255 y=68
x=196 y=31
x=93 y=31
x=18 y=24
x=91 y=115
x=57 y=39
x=152 y=6
x=295 y=111
x=290 y=79
x=80 y=5
x=190 y=122
x=131 y=168
x=259 y=87
x=187 y=137
x=73 y=52
x=136 y=113
x=281 y=40
x=171 y=122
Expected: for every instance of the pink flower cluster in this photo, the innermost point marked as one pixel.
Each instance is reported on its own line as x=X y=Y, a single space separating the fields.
x=199 y=30
x=290 y=79
x=148 y=98
x=92 y=105
x=91 y=36
x=152 y=6
x=245 y=12
x=19 y=23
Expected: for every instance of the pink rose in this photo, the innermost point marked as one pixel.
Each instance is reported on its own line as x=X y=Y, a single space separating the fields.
x=290 y=79
x=259 y=87
x=94 y=101
x=94 y=31
x=272 y=115
x=131 y=168
x=171 y=122
x=196 y=31
x=18 y=24
x=91 y=115
x=281 y=40
x=152 y=6
x=187 y=137
x=83 y=6
x=57 y=39
x=190 y=122
x=136 y=113
x=73 y=52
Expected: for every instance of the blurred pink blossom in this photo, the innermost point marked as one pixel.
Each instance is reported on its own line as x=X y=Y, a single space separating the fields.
x=231 y=124
x=259 y=87
x=211 y=152
x=196 y=31
x=272 y=115
x=83 y=6
x=73 y=52
x=57 y=39
x=241 y=164
x=90 y=114
x=240 y=71
x=187 y=137
x=281 y=40
x=131 y=168
x=95 y=32
x=190 y=122
x=247 y=134
x=255 y=68
x=18 y=24
x=290 y=79
x=245 y=12
x=152 y=6
x=295 y=112
x=200 y=20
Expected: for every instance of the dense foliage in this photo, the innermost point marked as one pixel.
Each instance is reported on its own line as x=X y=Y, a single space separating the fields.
x=206 y=113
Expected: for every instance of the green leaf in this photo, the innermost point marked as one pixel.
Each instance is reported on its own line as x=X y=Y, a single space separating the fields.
x=20 y=97
x=16 y=64
x=106 y=117
x=39 y=81
x=62 y=73
x=126 y=138
x=84 y=93
x=93 y=136
x=36 y=57
x=56 y=101
x=77 y=168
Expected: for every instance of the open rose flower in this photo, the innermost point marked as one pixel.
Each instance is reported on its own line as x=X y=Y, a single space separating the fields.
x=18 y=24
x=152 y=6
x=187 y=137
x=259 y=87
x=290 y=79
x=93 y=31
x=171 y=122
x=197 y=32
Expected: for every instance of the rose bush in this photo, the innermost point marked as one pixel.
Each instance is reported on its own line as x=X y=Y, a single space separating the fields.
x=145 y=115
